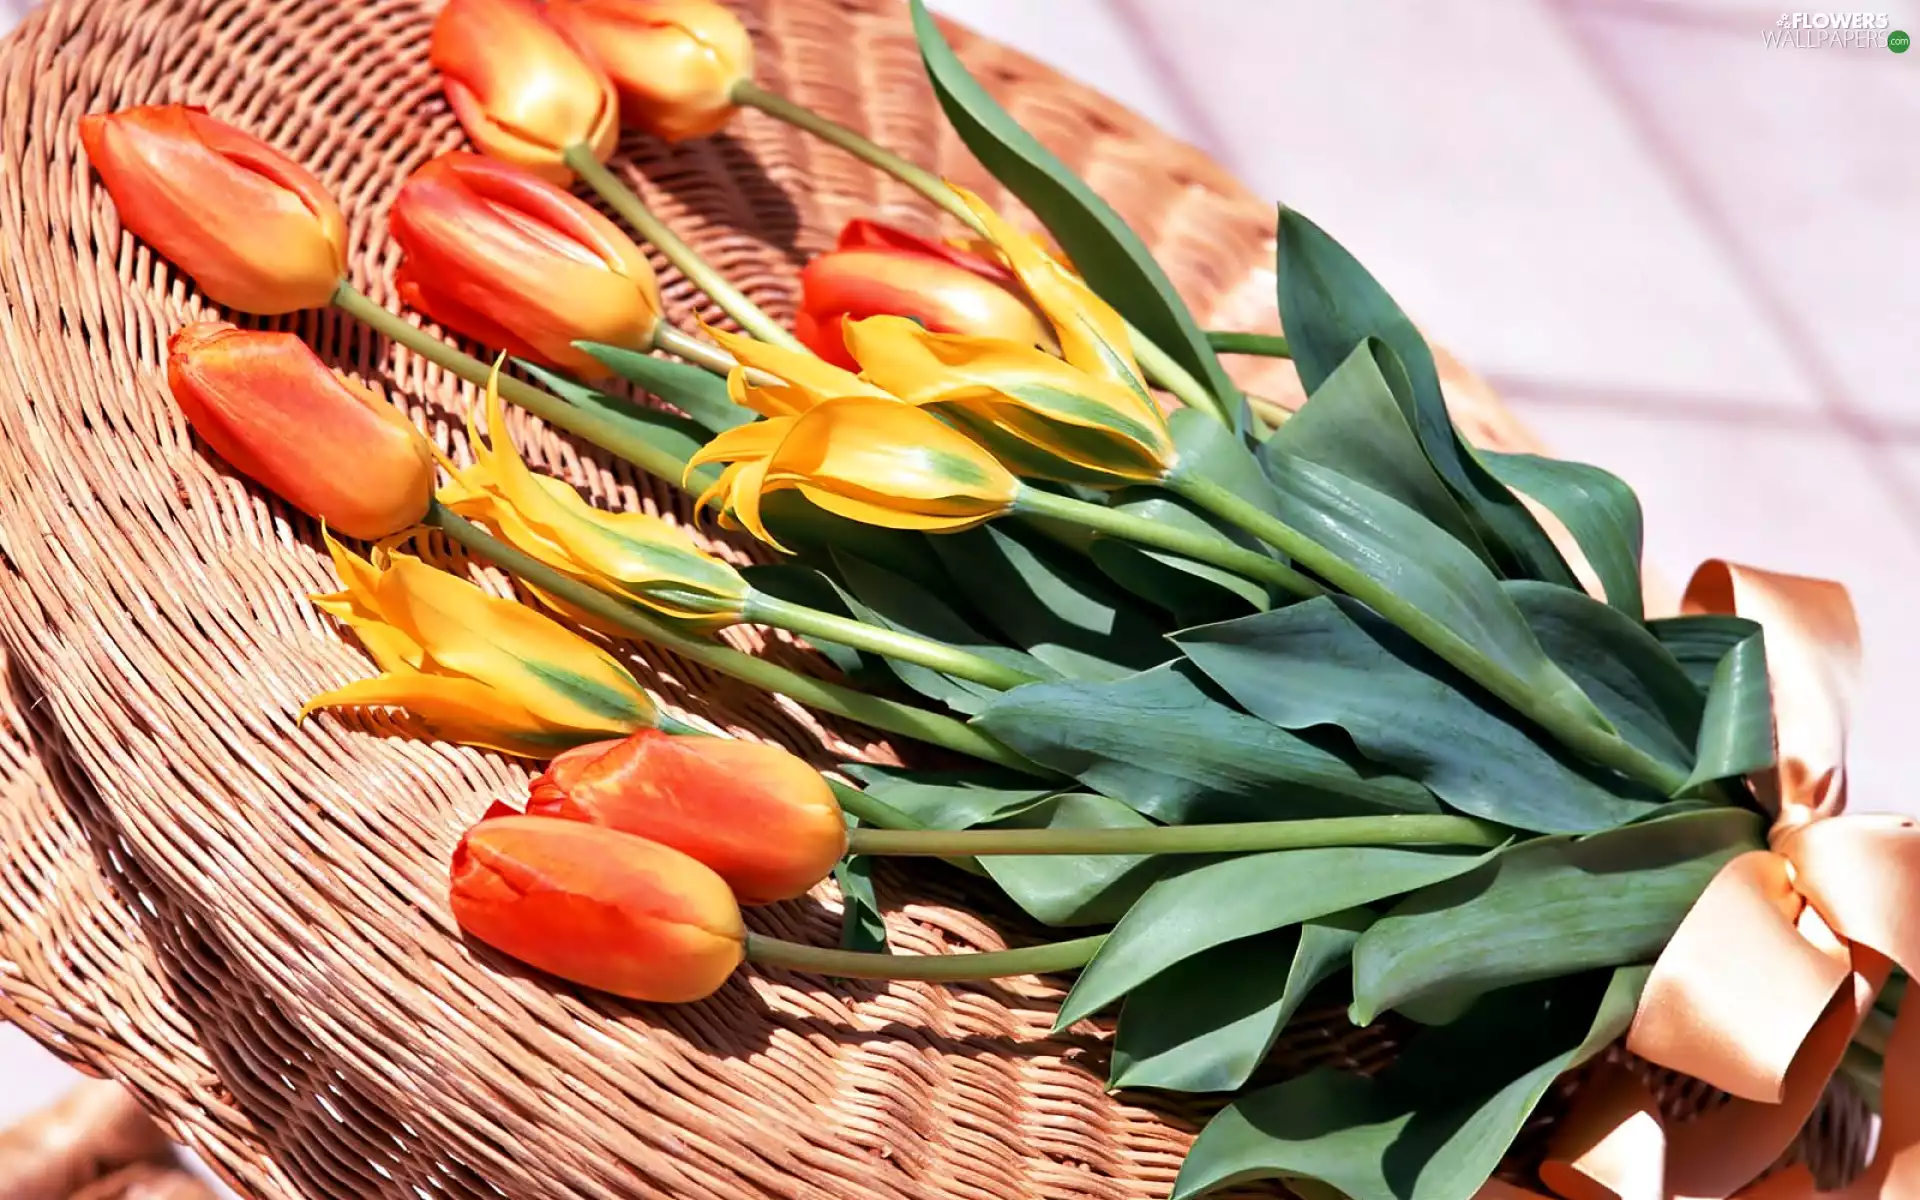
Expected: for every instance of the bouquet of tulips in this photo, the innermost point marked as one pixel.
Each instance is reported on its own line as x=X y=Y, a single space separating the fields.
x=1251 y=704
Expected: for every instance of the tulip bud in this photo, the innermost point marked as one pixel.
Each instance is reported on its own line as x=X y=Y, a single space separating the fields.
x=598 y=907
x=326 y=445
x=521 y=87
x=519 y=264
x=765 y=821
x=255 y=229
x=878 y=270
x=876 y=461
x=674 y=62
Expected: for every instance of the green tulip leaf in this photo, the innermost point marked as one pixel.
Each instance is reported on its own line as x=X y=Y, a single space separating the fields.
x=1204 y=1024
x=949 y=799
x=1598 y=509
x=1194 y=593
x=1066 y=889
x=662 y=430
x=1202 y=905
x=1330 y=661
x=1549 y=907
x=1329 y=305
x=1698 y=643
x=698 y=392
x=1736 y=734
x=804 y=585
x=861 y=925
x=1108 y=254
x=1435 y=1124
x=1165 y=743
x=813 y=534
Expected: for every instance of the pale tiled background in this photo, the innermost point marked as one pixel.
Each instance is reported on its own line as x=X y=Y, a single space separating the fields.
x=1681 y=254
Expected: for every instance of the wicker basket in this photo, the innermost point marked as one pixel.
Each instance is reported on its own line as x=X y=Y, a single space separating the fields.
x=244 y=918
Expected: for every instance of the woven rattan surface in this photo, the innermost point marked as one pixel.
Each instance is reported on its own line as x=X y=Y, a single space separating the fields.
x=243 y=917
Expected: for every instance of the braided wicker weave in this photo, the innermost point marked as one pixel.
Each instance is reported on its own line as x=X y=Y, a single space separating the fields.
x=244 y=918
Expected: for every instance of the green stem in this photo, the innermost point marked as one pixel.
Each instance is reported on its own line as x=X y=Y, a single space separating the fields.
x=888 y=715
x=606 y=430
x=1201 y=547
x=1158 y=365
x=948 y=968
x=1267 y=345
x=634 y=211
x=1573 y=729
x=705 y=355
x=763 y=609
x=1246 y=837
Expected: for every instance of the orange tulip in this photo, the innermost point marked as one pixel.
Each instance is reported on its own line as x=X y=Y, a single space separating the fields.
x=598 y=907
x=674 y=62
x=521 y=86
x=324 y=444
x=877 y=270
x=519 y=264
x=766 y=822
x=254 y=228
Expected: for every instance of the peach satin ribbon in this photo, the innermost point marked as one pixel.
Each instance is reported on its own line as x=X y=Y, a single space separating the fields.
x=1780 y=960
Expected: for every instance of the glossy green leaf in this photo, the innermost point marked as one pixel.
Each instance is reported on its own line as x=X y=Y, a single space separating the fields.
x=1329 y=304
x=1544 y=908
x=1204 y=1024
x=861 y=926
x=1108 y=254
x=1435 y=1124
x=880 y=597
x=1207 y=904
x=1193 y=592
x=1164 y=742
x=1698 y=643
x=666 y=431
x=1064 y=889
x=1598 y=509
x=1353 y=424
x=699 y=393
x=813 y=533
x=1045 y=601
x=1330 y=661
x=1736 y=734
x=1451 y=595
x=949 y=799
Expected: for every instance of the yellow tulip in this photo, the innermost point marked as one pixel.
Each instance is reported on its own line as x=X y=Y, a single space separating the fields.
x=475 y=668
x=638 y=554
x=799 y=380
x=1044 y=417
x=868 y=459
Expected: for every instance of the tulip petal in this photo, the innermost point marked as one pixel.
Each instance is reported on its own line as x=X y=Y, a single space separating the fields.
x=463 y=711
x=806 y=378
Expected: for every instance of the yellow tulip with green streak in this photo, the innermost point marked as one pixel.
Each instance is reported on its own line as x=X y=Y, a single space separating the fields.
x=869 y=459
x=475 y=668
x=1084 y=416
x=788 y=382
x=637 y=554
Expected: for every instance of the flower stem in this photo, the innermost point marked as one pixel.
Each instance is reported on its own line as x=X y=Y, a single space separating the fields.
x=609 y=431
x=1267 y=345
x=889 y=715
x=634 y=211
x=1206 y=548
x=1158 y=365
x=1574 y=730
x=678 y=342
x=949 y=968
x=1392 y=829
x=763 y=609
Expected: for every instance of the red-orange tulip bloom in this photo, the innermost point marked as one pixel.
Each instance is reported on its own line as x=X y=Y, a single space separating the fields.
x=519 y=264
x=877 y=270
x=254 y=228
x=766 y=822
x=521 y=87
x=324 y=444
x=598 y=907
x=674 y=61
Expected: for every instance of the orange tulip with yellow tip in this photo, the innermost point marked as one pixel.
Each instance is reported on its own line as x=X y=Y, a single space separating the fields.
x=514 y=262
x=1084 y=416
x=326 y=445
x=674 y=62
x=252 y=227
x=524 y=91
x=871 y=460
x=877 y=270
x=475 y=668
x=637 y=554
x=765 y=821
x=597 y=907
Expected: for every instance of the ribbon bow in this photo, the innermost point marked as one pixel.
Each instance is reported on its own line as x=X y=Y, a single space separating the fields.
x=1779 y=962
